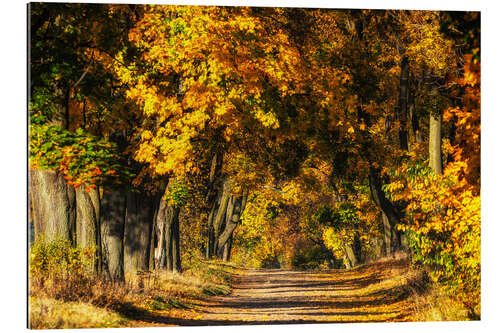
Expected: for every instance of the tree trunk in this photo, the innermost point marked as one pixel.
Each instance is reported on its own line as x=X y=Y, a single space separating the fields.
x=226 y=256
x=37 y=207
x=112 y=228
x=160 y=231
x=235 y=208
x=168 y=237
x=153 y=241
x=415 y=122
x=175 y=240
x=54 y=204
x=402 y=109
x=169 y=260
x=138 y=228
x=357 y=248
x=388 y=209
x=387 y=234
x=435 y=143
x=217 y=218
x=350 y=255
x=87 y=223
x=227 y=227
x=220 y=216
x=212 y=198
x=210 y=232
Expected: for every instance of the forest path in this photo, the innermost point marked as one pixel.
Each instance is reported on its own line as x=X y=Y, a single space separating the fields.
x=369 y=293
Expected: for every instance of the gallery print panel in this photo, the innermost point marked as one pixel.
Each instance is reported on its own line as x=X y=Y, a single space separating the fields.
x=230 y=165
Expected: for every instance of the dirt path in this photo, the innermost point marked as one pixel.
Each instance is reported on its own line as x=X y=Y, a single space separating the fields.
x=366 y=294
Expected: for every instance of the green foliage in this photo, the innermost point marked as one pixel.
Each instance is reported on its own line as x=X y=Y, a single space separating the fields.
x=340 y=216
x=81 y=157
x=178 y=192
x=442 y=224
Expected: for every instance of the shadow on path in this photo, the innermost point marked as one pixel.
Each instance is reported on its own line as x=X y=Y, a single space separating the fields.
x=266 y=297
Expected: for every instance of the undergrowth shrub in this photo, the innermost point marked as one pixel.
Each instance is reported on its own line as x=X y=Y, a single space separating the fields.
x=60 y=270
x=443 y=227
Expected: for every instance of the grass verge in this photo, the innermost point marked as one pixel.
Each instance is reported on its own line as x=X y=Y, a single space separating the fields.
x=87 y=302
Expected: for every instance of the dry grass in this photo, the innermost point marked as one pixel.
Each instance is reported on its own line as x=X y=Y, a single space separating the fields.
x=94 y=302
x=423 y=299
x=46 y=313
x=435 y=305
x=426 y=299
x=391 y=284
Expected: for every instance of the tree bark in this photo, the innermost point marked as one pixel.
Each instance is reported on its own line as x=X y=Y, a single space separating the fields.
x=168 y=237
x=350 y=255
x=220 y=217
x=112 y=229
x=217 y=219
x=153 y=240
x=161 y=235
x=37 y=208
x=435 y=143
x=235 y=208
x=87 y=223
x=212 y=197
x=138 y=228
x=54 y=204
x=175 y=240
x=387 y=234
x=415 y=122
x=388 y=209
x=226 y=256
x=402 y=109
x=210 y=231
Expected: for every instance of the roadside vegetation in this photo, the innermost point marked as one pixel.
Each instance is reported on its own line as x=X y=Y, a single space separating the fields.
x=64 y=294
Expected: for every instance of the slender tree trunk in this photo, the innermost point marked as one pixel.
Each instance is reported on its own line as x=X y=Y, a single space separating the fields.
x=220 y=216
x=210 y=231
x=351 y=256
x=216 y=218
x=87 y=223
x=387 y=234
x=176 y=241
x=227 y=227
x=160 y=231
x=96 y=202
x=402 y=109
x=213 y=197
x=54 y=210
x=435 y=143
x=153 y=241
x=157 y=247
x=357 y=248
x=227 y=249
x=235 y=209
x=415 y=122
x=112 y=229
x=169 y=260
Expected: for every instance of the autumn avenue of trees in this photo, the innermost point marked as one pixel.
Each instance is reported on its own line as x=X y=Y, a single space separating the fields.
x=277 y=136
